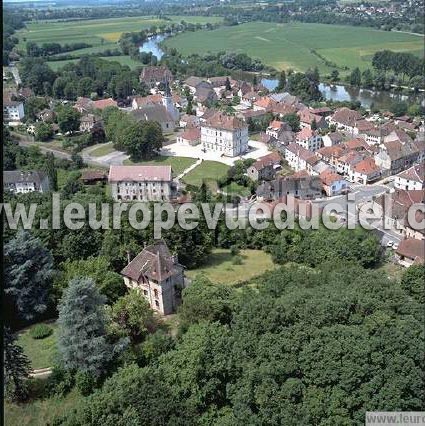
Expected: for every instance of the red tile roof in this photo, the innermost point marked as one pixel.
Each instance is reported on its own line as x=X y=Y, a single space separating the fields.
x=366 y=166
x=413 y=249
x=225 y=122
x=192 y=134
x=103 y=103
x=139 y=173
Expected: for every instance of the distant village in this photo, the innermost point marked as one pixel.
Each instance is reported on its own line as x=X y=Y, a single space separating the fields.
x=331 y=152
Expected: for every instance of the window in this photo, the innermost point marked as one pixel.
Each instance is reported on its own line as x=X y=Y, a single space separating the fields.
x=157 y=303
x=145 y=292
x=155 y=293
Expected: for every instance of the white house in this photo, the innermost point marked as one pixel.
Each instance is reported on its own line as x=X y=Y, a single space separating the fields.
x=333 y=183
x=21 y=182
x=364 y=171
x=13 y=111
x=224 y=134
x=299 y=158
x=411 y=179
x=141 y=183
x=308 y=139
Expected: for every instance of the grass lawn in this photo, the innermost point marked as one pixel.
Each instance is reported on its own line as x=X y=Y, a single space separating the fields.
x=208 y=171
x=290 y=45
x=392 y=270
x=220 y=269
x=41 y=352
x=102 y=150
x=178 y=164
x=234 y=188
x=39 y=412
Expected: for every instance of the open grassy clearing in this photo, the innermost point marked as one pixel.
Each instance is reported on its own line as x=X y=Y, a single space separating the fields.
x=290 y=45
x=178 y=164
x=220 y=268
x=123 y=60
x=41 y=352
x=40 y=412
x=208 y=171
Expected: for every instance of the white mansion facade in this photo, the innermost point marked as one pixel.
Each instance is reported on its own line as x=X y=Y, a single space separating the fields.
x=224 y=134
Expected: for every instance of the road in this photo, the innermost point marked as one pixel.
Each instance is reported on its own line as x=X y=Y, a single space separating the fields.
x=15 y=73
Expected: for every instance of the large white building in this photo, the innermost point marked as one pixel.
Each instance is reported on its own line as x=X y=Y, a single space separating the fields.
x=308 y=139
x=141 y=183
x=411 y=179
x=224 y=134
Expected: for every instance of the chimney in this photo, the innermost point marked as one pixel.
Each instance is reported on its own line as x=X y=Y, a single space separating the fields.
x=128 y=256
x=175 y=259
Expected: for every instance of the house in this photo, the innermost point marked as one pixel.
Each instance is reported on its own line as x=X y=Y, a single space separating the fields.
x=411 y=252
x=46 y=115
x=243 y=88
x=157 y=113
x=364 y=172
x=205 y=95
x=345 y=119
x=333 y=183
x=412 y=178
x=332 y=139
x=373 y=136
x=249 y=98
x=299 y=158
x=277 y=127
x=152 y=76
x=224 y=134
x=250 y=114
x=347 y=161
x=307 y=119
x=141 y=183
x=394 y=210
x=264 y=104
x=22 y=182
x=88 y=121
x=282 y=109
x=308 y=139
x=141 y=101
x=83 y=105
x=299 y=185
x=330 y=154
x=92 y=177
x=187 y=120
x=265 y=168
x=191 y=136
x=192 y=82
x=322 y=111
x=158 y=276
x=395 y=156
x=13 y=110
x=362 y=126
x=103 y=103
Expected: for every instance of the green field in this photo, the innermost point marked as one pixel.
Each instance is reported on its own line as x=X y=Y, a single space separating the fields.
x=208 y=171
x=41 y=352
x=102 y=150
x=178 y=164
x=286 y=46
x=93 y=31
x=220 y=268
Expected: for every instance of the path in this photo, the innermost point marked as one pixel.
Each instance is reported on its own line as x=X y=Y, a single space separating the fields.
x=189 y=169
x=15 y=73
x=41 y=372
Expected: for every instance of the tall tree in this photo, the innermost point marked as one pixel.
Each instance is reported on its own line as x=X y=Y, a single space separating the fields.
x=28 y=269
x=68 y=119
x=16 y=369
x=51 y=171
x=282 y=81
x=82 y=342
x=132 y=315
x=356 y=77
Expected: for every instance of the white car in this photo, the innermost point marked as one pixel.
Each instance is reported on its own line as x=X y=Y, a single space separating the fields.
x=395 y=246
x=390 y=243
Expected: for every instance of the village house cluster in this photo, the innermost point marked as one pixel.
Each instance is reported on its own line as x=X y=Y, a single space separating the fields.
x=332 y=150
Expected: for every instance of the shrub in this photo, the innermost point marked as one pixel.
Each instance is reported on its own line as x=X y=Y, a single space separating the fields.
x=234 y=250
x=237 y=260
x=60 y=382
x=41 y=331
x=85 y=383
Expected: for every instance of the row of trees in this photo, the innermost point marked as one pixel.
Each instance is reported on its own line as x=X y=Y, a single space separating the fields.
x=52 y=48
x=401 y=63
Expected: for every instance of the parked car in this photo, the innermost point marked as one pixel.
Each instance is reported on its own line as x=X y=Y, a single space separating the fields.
x=390 y=243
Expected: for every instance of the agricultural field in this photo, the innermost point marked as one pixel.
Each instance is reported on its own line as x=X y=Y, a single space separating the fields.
x=293 y=45
x=221 y=267
x=98 y=32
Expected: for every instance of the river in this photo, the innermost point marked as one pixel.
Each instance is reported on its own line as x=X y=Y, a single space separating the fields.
x=380 y=99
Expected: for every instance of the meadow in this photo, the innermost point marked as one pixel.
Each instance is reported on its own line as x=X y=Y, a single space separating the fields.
x=293 y=45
